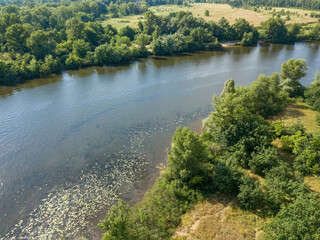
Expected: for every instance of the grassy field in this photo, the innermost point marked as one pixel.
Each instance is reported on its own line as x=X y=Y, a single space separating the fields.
x=300 y=112
x=216 y=11
x=131 y=21
x=219 y=218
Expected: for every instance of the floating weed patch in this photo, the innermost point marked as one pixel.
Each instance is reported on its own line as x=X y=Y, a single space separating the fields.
x=67 y=212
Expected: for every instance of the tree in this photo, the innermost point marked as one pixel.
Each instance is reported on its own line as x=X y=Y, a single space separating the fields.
x=250 y=195
x=274 y=30
x=265 y=97
x=242 y=26
x=263 y=160
x=41 y=44
x=228 y=87
x=188 y=158
x=206 y=13
x=80 y=48
x=75 y=28
x=291 y=73
x=248 y=39
x=127 y=32
x=298 y=220
x=118 y=224
x=16 y=36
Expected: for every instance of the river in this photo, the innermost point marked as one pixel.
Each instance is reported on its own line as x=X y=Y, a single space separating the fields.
x=72 y=144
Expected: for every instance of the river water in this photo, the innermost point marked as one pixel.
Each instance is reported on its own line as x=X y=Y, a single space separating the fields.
x=71 y=145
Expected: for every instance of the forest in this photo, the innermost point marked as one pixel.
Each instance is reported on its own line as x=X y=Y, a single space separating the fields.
x=242 y=154
x=37 y=40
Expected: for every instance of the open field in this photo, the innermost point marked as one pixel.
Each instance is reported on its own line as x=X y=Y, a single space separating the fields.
x=216 y=11
x=300 y=112
x=219 y=218
x=131 y=21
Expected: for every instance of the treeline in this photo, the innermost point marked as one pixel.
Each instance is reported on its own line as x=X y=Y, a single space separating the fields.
x=236 y=155
x=44 y=39
x=307 y=4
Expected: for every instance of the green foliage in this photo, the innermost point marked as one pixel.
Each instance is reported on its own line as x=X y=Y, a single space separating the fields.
x=206 y=13
x=118 y=224
x=307 y=162
x=41 y=44
x=312 y=93
x=250 y=195
x=281 y=187
x=188 y=159
x=291 y=73
x=80 y=48
x=279 y=129
x=265 y=97
x=226 y=179
x=298 y=220
x=247 y=39
x=274 y=30
x=263 y=161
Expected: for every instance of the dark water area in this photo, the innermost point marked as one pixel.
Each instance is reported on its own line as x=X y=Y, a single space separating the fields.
x=71 y=145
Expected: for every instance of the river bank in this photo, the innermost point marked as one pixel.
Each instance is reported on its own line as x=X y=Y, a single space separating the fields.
x=66 y=135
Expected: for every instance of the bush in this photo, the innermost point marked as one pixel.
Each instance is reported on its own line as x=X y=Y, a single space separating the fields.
x=250 y=195
x=298 y=220
x=263 y=161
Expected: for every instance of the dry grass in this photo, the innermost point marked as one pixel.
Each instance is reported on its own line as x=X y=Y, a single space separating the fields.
x=299 y=112
x=219 y=218
x=314 y=183
x=216 y=11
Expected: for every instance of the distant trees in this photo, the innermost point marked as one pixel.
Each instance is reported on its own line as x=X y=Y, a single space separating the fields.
x=274 y=30
x=70 y=35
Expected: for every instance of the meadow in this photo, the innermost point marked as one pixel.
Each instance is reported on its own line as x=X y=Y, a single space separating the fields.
x=217 y=11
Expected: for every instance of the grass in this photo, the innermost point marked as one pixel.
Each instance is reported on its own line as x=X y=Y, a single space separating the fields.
x=314 y=183
x=131 y=21
x=216 y=11
x=299 y=112
x=219 y=218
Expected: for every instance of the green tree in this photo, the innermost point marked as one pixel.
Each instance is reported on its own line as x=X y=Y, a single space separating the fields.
x=75 y=28
x=263 y=160
x=80 y=48
x=274 y=30
x=16 y=36
x=118 y=224
x=291 y=73
x=298 y=220
x=188 y=159
x=206 y=13
x=41 y=44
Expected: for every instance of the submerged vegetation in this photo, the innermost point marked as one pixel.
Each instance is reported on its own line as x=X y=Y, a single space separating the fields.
x=240 y=154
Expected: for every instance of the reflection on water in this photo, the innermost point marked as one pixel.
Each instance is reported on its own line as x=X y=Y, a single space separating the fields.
x=63 y=139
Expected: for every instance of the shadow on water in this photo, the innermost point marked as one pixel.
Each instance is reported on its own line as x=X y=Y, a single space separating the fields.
x=6 y=91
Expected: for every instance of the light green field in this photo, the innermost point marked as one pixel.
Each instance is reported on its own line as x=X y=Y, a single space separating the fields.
x=300 y=112
x=131 y=21
x=216 y=11
x=219 y=218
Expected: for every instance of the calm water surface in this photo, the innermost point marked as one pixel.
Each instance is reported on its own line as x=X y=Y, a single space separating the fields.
x=72 y=144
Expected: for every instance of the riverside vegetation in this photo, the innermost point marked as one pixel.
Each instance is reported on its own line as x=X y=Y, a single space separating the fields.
x=40 y=39
x=240 y=154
